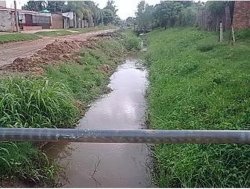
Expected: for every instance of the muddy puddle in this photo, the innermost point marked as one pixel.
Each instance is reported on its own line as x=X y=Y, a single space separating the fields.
x=110 y=165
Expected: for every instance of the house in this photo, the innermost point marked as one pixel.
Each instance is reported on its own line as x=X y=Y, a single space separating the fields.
x=28 y=20
x=31 y=20
x=7 y=20
x=2 y=4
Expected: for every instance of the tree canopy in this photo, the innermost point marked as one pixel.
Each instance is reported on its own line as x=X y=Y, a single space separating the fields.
x=165 y=14
x=87 y=10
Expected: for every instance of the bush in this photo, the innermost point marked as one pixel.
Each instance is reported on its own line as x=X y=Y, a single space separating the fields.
x=131 y=42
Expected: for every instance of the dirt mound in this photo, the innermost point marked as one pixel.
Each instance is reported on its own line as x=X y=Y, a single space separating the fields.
x=53 y=53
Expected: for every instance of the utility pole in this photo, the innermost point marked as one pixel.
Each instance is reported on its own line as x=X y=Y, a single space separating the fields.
x=16 y=17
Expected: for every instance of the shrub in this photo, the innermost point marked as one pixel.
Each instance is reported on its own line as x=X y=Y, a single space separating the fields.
x=131 y=42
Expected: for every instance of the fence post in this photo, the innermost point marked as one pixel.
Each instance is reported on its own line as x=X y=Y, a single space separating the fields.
x=221 y=32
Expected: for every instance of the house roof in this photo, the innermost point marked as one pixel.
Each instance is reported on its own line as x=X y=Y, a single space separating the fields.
x=22 y=11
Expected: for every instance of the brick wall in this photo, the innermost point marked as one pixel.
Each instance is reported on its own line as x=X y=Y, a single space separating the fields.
x=57 y=21
x=241 y=18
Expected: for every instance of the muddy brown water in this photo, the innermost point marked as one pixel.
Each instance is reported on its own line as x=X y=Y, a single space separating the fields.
x=110 y=165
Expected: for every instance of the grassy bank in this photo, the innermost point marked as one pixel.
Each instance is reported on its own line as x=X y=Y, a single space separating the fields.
x=197 y=83
x=56 y=99
x=64 y=32
x=6 y=38
x=15 y=37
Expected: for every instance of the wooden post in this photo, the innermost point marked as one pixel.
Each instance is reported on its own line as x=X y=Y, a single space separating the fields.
x=233 y=36
x=221 y=32
x=16 y=17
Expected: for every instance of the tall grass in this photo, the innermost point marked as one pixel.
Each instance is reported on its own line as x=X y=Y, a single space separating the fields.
x=198 y=86
x=35 y=102
x=26 y=163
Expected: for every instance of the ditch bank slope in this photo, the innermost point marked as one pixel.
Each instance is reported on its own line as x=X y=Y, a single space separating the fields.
x=52 y=89
x=197 y=83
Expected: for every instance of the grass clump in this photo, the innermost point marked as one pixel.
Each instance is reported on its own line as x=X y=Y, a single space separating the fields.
x=190 y=89
x=6 y=38
x=36 y=103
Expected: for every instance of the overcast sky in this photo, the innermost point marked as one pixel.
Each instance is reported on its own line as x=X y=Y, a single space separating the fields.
x=126 y=7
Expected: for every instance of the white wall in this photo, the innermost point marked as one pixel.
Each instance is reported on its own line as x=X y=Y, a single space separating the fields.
x=6 y=21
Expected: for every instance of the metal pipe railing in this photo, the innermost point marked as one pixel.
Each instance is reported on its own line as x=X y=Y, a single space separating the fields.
x=127 y=136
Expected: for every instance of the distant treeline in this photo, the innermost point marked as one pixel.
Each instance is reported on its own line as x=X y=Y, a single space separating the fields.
x=206 y=15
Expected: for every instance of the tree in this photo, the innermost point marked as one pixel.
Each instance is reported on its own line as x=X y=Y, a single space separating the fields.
x=109 y=13
x=108 y=16
x=168 y=13
x=56 y=6
x=111 y=6
x=130 y=22
x=144 y=16
x=34 y=5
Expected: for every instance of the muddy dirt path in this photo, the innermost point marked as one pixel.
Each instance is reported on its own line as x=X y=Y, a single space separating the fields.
x=10 y=51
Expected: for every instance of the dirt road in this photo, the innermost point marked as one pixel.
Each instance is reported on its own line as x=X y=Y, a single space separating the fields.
x=10 y=51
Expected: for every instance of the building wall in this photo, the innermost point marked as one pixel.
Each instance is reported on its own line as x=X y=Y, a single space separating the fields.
x=241 y=18
x=57 y=21
x=6 y=21
x=2 y=3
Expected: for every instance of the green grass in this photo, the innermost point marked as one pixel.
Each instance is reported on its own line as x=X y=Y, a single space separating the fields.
x=64 y=32
x=85 y=30
x=15 y=37
x=56 y=99
x=6 y=38
x=36 y=103
x=24 y=162
x=197 y=83
x=85 y=79
x=54 y=33
x=243 y=34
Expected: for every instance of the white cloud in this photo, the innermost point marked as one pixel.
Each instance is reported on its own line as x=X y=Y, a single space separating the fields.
x=126 y=7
